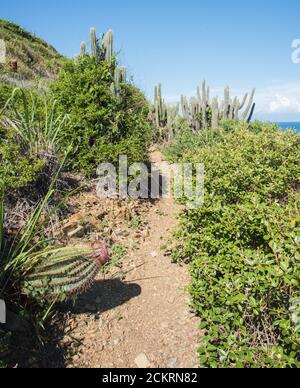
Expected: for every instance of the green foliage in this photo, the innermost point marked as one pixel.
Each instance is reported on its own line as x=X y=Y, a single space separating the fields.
x=104 y=126
x=5 y=94
x=243 y=245
x=35 y=122
x=16 y=170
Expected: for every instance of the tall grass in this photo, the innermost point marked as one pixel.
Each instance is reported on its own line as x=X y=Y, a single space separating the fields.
x=35 y=121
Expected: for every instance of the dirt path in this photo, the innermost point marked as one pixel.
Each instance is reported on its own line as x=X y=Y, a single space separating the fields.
x=146 y=320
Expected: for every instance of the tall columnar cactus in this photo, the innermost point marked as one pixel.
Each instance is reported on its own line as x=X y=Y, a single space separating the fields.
x=108 y=45
x=215 y=113
x=120 y=76
x=95 y=50
x=83 y=49
x=249 y=108
x=185 y=109
x=205 y=101
x=172 y=114
x=65 y=276
x=160 y=108
x=203 y=114
x=226 y=102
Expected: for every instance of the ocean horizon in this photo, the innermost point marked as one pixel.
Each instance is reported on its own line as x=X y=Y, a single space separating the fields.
x=289 y=125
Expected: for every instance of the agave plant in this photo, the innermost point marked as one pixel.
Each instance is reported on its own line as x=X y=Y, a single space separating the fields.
x=37 y=132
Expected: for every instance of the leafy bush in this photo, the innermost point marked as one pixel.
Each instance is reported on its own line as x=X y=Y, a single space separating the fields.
x=243 y=246
x=104 y=126
x=16 y=170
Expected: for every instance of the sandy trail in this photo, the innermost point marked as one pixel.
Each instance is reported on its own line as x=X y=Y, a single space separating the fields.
x=146 y=320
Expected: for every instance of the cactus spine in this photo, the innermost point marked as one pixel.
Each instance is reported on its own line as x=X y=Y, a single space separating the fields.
x=95 y=51
x=108 y=45
x=65 y=276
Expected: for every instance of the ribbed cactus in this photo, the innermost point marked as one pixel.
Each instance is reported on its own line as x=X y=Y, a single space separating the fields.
x=65 y=276
x=83 y=49
x=95 y=50
x=185 y=109
x=201 y=113
x=108 y=45
x=172 y=114
x=249 y=107
x=226 y=102
x=215 y=113
x=120 y=77
x=160 y=108
x=205 y=98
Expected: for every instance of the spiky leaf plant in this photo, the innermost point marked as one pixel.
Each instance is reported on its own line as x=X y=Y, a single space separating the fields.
x=37 y=132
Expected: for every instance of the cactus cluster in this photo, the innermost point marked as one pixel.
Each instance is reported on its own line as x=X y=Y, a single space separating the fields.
x=164 y=116
x=63 y=276
x=201 y=112
x=205 y=114
x=103 y=49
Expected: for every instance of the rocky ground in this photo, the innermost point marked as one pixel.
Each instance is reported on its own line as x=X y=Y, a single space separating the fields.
x=137 y=315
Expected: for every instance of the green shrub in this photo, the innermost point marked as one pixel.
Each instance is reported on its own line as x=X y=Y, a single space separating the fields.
x=17 y=170
x=243 y=245
x=103 y=126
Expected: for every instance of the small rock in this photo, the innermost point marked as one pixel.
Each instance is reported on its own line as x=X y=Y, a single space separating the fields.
x=172 y=363
x=153 y=254
x=142 y=361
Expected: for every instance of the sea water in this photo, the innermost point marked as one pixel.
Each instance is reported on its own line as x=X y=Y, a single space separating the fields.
x=291 y=125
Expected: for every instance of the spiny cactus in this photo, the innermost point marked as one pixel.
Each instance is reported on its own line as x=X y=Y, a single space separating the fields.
x=83 y=49
x=108 y=45
x=64 y=276
x=164 y=116
x=215 y=113
x=246 y=116
x=172 y=114
x=204 y=115
x=160 y=108
x=120 y=77
x=95 y=50
x=200 y=112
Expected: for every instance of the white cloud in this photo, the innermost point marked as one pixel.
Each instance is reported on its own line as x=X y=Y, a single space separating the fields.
x=283 y=104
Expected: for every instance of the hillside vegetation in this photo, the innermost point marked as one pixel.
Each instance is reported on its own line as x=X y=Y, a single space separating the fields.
x=35 y=58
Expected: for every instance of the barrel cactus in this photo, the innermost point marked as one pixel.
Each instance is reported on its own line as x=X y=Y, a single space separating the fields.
x=66 y=273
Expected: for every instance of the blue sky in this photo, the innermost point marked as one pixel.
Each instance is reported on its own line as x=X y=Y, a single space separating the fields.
x=178 y=43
